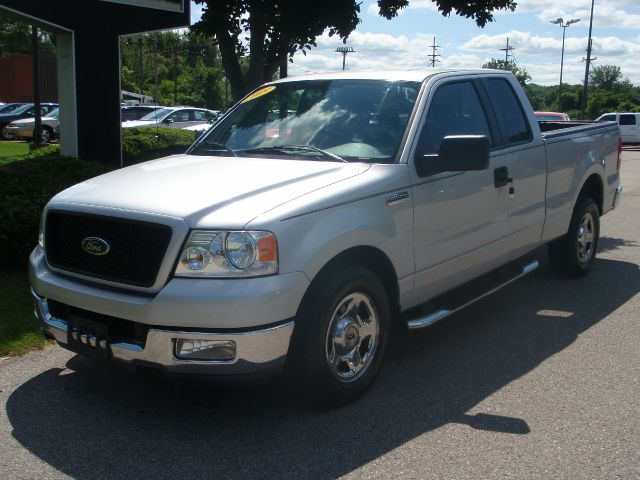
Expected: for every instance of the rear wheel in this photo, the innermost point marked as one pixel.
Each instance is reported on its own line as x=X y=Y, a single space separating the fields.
x=46 y=135
x=574 y=253
x=340 y=336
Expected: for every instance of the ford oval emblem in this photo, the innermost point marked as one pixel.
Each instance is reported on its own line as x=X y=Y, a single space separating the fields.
x=95 y=246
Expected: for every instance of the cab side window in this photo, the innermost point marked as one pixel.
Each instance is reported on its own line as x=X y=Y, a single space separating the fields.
x=454 y=110
x=627 y=119
x=511 y=117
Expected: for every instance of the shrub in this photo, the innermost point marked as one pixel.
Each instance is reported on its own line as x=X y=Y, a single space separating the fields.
x=26 y=185
x=141 y=144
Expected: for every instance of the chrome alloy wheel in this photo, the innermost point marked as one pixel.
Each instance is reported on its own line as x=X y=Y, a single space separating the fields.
x=586 y=236
x=352 y=337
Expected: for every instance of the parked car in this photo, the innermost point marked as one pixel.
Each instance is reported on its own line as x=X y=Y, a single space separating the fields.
x=629 y=124
x=25 y=111
x=385 y=194
x=24 y=128
x=9 y=107
x=172 y=117
x=136 y=112
x=552 y=117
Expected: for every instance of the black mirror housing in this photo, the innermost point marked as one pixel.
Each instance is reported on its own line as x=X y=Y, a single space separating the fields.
x=458 y=153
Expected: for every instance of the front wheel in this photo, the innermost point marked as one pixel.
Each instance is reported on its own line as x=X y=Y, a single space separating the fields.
x=573 y=254
x=4 y=133
x=340 y=335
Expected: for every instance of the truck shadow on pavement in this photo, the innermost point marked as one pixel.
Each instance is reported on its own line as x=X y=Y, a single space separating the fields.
x=93 y=421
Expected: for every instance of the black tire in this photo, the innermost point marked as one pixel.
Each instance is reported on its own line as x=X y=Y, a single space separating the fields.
x=320 y=316
x=2 y=134
x=46 y=134
x=573 y=254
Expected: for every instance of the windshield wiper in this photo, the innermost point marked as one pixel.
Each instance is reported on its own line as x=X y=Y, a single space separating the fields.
x=298 y=148
x=211 y=147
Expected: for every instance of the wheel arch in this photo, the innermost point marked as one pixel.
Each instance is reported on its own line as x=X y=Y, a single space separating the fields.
x=366 y=256
x=593 y=188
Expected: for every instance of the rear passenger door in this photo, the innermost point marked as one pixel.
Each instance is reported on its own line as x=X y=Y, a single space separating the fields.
x=520 y=152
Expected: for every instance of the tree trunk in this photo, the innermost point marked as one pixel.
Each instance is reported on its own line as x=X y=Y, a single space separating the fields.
x=257 y=23
x=231 y=64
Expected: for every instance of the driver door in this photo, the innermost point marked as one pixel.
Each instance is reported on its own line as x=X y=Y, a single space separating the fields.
x=460 y=218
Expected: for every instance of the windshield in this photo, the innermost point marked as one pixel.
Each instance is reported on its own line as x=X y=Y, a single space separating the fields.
x=55 y=113
x=335 y=120
x=157 y=114
x=10 y=107
x=22 y=108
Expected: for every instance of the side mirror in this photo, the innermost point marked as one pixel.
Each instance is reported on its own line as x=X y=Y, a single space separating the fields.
x=458 y=153
x=168 y=120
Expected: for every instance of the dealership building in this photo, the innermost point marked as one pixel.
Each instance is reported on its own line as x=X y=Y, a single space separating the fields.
x=88 y=62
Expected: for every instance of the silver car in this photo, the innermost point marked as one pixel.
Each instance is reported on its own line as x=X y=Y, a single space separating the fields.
x=172 y=117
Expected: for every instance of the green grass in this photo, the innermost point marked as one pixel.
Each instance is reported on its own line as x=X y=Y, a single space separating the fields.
x=19 y=330
x=13 y=149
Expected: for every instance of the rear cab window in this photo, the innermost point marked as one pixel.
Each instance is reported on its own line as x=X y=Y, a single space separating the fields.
x=512 y=120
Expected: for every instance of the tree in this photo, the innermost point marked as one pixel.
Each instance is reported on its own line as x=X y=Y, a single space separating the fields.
x=521 y=74
x=605 y=76
x=15 y=39
x=276 y=29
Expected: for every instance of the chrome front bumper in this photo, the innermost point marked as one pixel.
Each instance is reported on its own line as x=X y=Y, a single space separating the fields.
x=260 y=350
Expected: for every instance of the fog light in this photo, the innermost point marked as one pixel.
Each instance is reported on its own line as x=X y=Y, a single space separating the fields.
x=194 y=349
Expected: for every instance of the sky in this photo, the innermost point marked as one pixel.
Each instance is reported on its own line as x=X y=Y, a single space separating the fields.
x=405 y=41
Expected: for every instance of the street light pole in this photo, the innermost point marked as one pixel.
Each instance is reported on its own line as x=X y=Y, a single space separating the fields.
x=586 y=68
x=564 y=26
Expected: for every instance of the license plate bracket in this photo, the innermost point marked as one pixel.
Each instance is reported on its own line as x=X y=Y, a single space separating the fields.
x=88 y=337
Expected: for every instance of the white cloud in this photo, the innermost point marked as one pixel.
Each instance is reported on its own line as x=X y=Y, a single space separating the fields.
x=539 y=55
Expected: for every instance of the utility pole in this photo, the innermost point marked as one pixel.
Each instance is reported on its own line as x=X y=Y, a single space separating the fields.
x=141 y=70
x=175 y=76
x=507 y=53
x=586 y=67
x=344 y=51
x=37 y=130
x=154 y=44
x=434 y=55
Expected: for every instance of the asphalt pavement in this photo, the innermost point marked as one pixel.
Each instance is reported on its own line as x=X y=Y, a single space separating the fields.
x=541 y=380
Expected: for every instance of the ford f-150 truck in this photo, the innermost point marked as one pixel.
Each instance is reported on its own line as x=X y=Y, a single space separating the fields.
x=316 y=212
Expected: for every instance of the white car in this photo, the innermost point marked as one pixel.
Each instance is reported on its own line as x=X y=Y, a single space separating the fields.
x=24 y=128
x=173 y=117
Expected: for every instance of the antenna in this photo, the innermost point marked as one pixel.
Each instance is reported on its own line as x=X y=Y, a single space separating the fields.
x=344 y=51
x=434 y=55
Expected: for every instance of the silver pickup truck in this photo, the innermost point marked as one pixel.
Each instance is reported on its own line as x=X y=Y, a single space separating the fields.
x=316 y=212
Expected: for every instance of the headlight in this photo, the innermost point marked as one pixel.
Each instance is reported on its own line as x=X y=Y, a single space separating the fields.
x=228 y=254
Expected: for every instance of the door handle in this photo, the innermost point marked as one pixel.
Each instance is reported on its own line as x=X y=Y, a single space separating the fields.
x=501 y=177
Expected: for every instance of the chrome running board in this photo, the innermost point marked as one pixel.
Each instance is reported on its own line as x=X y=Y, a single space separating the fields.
x=457 y=300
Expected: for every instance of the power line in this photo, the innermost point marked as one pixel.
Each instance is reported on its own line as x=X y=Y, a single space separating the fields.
x=434 y=55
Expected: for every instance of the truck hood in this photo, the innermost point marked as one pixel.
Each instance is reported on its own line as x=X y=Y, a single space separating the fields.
x=213 y=192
